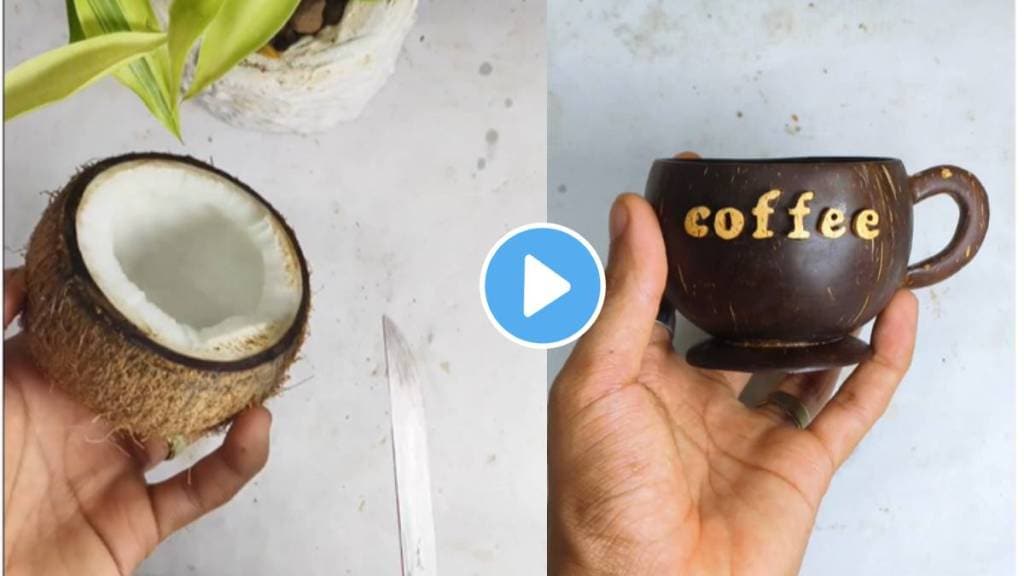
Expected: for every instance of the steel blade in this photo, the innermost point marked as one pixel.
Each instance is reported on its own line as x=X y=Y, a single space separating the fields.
x=412 y=468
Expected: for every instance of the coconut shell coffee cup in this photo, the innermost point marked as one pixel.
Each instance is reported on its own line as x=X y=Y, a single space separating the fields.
x=780 y=261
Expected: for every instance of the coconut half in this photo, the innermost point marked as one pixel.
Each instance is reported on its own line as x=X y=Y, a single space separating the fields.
x=164 y=294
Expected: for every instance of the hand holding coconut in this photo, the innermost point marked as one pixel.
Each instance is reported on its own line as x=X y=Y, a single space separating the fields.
x=656 y=467
x=76 y=499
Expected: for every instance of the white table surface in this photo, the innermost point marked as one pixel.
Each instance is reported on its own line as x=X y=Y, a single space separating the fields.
x=395 y=213
x=931 y=489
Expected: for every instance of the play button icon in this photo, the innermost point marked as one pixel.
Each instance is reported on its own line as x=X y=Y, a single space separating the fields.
x=542 y=285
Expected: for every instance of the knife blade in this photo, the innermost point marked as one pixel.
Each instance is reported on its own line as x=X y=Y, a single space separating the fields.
x=412 y=467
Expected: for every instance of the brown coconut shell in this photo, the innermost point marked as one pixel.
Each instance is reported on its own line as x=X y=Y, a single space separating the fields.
x=89 y=349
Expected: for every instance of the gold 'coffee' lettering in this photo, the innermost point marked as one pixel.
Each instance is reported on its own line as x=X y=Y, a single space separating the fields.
x=729 y=222
x=799 y=212
x=865 y=224
x=762 y=211
x=693 y=221
x=832 y=223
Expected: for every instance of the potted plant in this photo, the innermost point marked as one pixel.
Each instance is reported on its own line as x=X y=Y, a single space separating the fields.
x=295 y=66
x=318 y=72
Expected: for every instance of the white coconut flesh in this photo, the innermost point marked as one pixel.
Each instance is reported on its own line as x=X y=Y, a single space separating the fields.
x=190 y=258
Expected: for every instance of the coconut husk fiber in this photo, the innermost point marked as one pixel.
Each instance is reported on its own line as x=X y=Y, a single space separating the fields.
x=87 y=348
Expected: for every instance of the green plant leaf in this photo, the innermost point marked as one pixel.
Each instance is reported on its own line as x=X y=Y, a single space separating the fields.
x=150 y=77
x=74 y=26
x=105 y=16
x=60 y=73
x=239 y=29
x=189 y=19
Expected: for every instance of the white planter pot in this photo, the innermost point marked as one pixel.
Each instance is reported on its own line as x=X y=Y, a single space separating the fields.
x=321 y=80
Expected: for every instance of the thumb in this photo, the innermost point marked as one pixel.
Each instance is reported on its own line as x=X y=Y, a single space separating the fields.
x=636 y=275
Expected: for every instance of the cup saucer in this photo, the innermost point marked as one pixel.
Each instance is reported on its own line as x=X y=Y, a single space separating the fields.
x=717 y=354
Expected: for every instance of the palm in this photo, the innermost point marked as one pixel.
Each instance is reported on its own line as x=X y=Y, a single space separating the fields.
x=76 y=498
x=74 y=492
x=718 y=487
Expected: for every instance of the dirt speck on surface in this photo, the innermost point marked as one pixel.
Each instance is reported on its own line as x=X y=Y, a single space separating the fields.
x=739 y=113
x=779 y=24
x=446 y=367
x=653 y=35
x=935 y=302
x=491 y=137
x=481 y=163
x=793 y=126
x=486 y=68
x=508 y=102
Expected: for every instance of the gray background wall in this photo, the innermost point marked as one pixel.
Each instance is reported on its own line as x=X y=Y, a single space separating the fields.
x=395 y=216
x=930 y=490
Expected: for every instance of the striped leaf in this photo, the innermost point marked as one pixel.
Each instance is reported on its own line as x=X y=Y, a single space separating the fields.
x=74 y=26
x=189 y=19
x=59 y=73
x=150 y=77
x=240 y=28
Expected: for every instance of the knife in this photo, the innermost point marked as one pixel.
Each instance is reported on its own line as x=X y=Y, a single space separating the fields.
x=412 y=467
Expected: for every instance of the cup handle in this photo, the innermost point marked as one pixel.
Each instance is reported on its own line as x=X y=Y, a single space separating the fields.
x=971 y=199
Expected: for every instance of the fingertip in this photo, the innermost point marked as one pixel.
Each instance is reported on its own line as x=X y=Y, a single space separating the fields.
x=895 y=333
x=254 y=422
x=637 y=249
x=908 y=298
x=643 y=233
x=263 y=413
x=155 y=451
x=688 y=155
x=627 y=208
x=902 y=309
x=635 y=203
x=249 y=440
x=618 y=218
